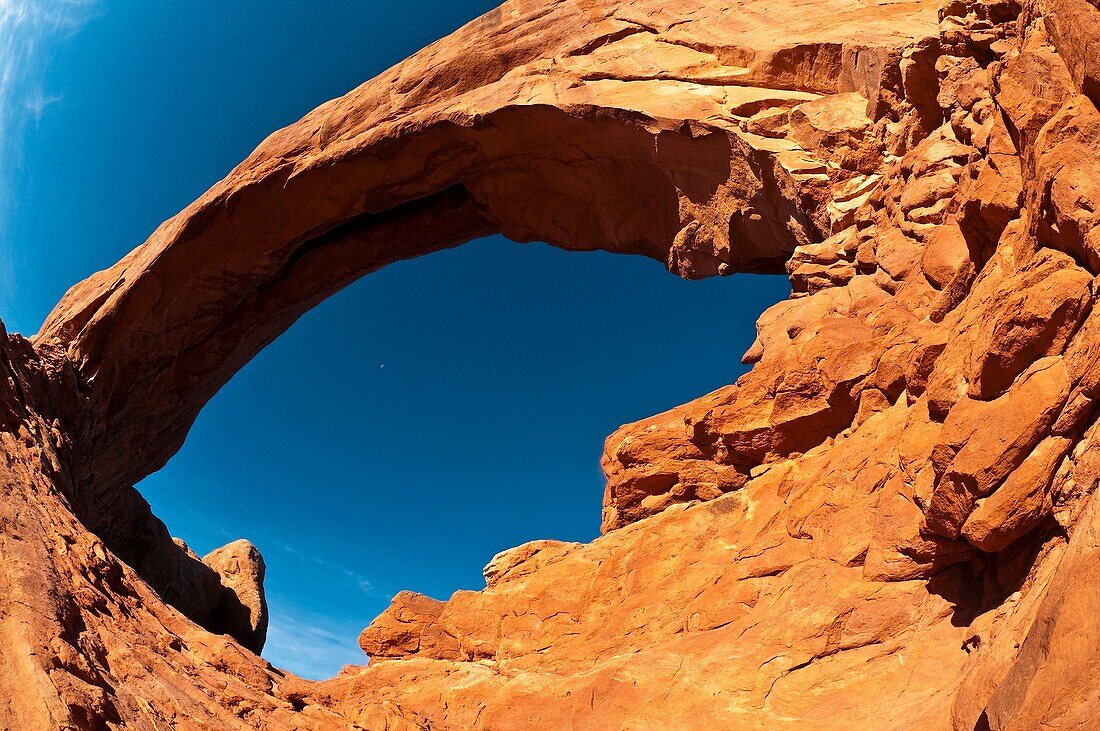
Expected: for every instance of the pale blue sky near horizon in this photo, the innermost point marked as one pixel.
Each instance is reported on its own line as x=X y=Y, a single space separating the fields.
x=412 y=426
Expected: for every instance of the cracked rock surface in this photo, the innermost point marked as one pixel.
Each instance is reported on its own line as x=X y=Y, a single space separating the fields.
x=890 y=522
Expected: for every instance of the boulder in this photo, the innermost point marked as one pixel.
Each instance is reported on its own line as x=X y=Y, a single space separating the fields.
x=241 y=611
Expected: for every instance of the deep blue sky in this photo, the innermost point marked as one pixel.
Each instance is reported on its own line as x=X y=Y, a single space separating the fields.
x=398 y=436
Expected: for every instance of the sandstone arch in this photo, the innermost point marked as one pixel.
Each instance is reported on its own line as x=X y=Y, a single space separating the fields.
x=428 y=156
x=877 y=526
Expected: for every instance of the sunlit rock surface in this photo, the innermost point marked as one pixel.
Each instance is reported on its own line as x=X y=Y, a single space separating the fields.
x=888 y=523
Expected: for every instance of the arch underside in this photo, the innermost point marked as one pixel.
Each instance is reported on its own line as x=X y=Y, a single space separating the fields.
x=887 y=522
x=583 y=126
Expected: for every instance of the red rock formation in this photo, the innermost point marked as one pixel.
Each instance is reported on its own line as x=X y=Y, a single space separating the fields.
x=242 y=609
x=889 y=522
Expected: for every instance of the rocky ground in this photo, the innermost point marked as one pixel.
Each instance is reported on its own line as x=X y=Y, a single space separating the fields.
x=888 y=523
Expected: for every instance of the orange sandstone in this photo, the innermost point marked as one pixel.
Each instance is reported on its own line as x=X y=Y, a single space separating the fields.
x=890 y=522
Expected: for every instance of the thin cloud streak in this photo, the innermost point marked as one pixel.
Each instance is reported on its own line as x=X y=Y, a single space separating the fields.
x=314 y=645
x=202 y=525
x=362 y=583
x=29 y=29
x=307 y=642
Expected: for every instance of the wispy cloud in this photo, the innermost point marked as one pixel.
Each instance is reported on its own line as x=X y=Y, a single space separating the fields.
x=37 y=103
x=29 y=29
x=306 y=635
x=330 y=569
x=312 y=645
x=205 y=525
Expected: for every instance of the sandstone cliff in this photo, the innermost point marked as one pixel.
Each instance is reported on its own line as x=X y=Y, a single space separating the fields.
x=889 y=523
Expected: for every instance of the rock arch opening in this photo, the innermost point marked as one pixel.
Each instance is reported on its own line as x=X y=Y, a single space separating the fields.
x=371 y=179
x=729 y=165
x=387 y=477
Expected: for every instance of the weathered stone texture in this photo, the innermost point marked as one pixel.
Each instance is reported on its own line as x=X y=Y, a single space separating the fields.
x=889 y=522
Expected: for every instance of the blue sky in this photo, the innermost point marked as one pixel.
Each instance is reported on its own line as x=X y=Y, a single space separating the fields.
x=405 y=431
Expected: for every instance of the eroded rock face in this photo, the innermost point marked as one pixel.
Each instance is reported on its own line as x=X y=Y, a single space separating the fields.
x=889 y=522
x=241 y=611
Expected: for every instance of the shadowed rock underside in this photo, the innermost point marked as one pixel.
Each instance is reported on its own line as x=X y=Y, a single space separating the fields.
x=888 y=523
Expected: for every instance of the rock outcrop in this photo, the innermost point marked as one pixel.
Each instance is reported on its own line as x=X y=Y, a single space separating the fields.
x=241 y=611
x=889 y=522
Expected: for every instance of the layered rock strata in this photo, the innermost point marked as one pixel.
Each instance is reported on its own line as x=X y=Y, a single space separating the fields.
x=889 y=522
